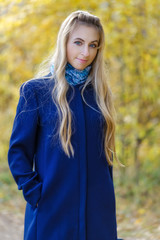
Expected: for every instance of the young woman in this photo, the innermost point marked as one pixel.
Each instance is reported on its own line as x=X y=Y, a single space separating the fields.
x=62 y=141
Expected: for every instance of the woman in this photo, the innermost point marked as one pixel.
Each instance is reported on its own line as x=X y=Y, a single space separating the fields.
x=62 y=141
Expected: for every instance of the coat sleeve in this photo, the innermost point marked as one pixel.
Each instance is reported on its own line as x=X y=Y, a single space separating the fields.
x=22 y=145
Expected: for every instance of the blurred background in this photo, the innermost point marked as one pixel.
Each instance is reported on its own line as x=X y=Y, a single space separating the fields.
x=28 y=31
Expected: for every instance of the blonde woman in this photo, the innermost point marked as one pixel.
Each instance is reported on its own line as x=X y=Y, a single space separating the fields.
x=62 y=141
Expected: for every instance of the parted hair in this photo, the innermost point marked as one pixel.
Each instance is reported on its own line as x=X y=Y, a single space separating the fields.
x=97 y=77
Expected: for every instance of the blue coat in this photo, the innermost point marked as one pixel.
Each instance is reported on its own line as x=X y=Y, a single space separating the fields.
x=75 y=196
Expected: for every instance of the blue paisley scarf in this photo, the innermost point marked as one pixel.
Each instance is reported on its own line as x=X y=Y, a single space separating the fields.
x=73 y=75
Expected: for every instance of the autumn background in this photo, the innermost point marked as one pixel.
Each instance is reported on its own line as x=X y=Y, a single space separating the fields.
x=28 y=32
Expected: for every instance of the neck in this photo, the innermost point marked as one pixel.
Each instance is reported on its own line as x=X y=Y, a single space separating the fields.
x=75 y=76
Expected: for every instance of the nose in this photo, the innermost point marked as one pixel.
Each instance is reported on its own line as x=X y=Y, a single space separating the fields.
x=85 y=51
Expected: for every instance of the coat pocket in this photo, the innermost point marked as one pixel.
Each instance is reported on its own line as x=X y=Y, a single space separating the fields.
x=31 y=189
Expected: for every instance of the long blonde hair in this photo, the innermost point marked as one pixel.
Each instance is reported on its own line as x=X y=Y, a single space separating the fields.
x=97 y=78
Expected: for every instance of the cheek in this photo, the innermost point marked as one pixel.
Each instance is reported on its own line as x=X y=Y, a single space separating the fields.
x=67 y=52
x=71 y=52
x=94 y=54
x=69 y=49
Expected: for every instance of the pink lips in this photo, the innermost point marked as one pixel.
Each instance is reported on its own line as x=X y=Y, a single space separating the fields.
x=82 y=60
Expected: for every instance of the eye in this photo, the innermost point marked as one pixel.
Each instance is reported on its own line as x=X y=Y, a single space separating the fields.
x=78 y=43
x=93 y=45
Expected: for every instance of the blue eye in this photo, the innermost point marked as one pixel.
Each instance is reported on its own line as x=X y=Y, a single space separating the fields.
x=78 y=43
x=93 y=45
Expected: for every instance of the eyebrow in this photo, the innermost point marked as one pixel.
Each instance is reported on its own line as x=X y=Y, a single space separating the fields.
x=83 y=40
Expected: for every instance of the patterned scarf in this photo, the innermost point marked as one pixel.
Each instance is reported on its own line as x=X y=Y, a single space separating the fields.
x=73 y=75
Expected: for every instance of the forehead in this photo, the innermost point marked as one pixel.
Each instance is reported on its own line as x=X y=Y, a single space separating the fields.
x=87 y=33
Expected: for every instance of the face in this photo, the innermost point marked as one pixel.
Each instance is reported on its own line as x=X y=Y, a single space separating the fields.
x=82 y=46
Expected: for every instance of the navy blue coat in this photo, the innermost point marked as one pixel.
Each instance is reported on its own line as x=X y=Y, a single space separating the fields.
x=75 y=196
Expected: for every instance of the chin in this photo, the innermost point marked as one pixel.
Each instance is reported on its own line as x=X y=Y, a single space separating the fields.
x=79 y=66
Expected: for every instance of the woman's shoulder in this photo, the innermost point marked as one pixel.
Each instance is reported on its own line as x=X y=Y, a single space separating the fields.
x=38 y=85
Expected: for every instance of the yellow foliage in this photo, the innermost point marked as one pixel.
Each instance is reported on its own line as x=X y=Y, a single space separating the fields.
x=141 y=211
x=28 y=32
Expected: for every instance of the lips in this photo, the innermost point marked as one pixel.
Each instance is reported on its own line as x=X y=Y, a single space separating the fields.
x=82 y=60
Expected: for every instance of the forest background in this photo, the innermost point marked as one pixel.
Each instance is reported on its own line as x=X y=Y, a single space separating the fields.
x=28 y=32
